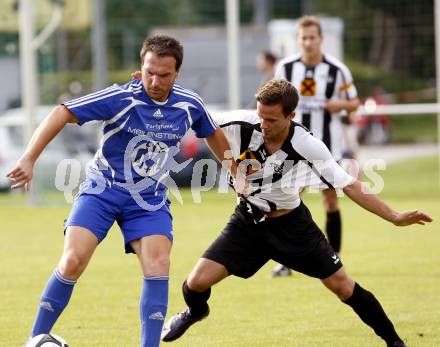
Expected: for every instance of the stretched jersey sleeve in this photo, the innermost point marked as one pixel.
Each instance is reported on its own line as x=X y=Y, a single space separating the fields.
x=204 y=125
x=97 y=106
x=326 y=171
x=235 y=117
x=232 y=123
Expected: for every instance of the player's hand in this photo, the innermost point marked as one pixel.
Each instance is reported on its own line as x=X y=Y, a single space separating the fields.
x=412 y=217
x=241 y=184
x=137 y=75
x=335 y=105
x=22 y=173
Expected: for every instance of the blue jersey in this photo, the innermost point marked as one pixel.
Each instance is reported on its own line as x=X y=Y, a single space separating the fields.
x=140 y=135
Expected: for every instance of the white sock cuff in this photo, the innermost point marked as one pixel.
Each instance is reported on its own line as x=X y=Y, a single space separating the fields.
x=156 y=278
x=62 y=279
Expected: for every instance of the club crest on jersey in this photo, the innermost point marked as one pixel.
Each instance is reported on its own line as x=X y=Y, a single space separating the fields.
x=308 y=87
x=158 y=114
x=247 y=158
x=148 y=158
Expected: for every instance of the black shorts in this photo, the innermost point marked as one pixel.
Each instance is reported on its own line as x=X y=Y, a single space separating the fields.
x=293 y=240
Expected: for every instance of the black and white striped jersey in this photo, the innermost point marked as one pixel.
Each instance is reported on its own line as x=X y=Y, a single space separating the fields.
x=316 y=85
x=278 y=178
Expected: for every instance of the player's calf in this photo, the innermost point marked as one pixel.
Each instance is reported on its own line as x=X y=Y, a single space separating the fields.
x=371 y=313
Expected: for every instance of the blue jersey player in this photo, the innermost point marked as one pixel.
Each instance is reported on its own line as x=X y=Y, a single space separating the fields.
x=143 y=122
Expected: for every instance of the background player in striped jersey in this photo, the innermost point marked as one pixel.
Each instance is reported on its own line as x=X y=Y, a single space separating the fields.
x=326 y=89
x=273 y=223
x=143 y=122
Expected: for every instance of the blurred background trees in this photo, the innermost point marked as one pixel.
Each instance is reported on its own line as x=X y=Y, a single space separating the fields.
x=387 y=43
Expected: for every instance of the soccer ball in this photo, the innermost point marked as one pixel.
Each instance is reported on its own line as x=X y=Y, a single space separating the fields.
x=47 y=340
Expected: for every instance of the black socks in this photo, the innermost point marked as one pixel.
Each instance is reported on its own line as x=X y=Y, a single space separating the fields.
x=333 y=229
x=197 y=302
x=371 y=313
x=362 y=302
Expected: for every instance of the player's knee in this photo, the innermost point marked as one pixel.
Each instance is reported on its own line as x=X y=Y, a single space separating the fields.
x=205 y=274
x=344 y=288
x=340 y=284
x=157 y=265
x=346 y=291
x=197 y=283
x=72 y=266
x=200 y=279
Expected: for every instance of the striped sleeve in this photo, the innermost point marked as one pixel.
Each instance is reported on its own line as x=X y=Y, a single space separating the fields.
x=96 y=106
x=326 y=171
x=232 y=123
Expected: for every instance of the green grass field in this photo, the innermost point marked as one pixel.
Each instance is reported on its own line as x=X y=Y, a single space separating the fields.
x=401 y=266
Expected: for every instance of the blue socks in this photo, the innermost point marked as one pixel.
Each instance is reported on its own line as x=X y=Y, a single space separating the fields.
x=54 y=299
x=153 y=308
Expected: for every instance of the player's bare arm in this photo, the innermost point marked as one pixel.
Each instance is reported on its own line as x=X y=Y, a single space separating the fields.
x=46 y=131
x=219 y=146
x=359 y=193
x=336 y=105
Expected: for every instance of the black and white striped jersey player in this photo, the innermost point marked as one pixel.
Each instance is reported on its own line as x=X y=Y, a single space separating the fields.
x=271 y=223
x=276 y=179
x=326 y=92
x=317 y=84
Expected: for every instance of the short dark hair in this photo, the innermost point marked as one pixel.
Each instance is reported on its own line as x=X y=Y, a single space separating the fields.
x=309 y=21
x=163 y=45
x=280 y=92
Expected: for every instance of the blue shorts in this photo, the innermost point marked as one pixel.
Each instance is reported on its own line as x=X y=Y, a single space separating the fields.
x=98 y=212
